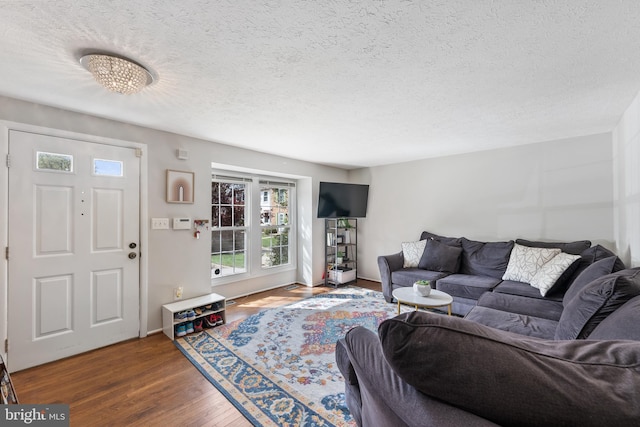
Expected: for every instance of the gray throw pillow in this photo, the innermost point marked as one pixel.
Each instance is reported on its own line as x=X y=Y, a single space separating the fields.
x=451 y=241
x=512 y=379
x=597 y=269
x=587 y=257
x=573 y=248
x=595 y=302
x=596 y=253
x=440 y=257
x=485 y=258
x=622 y=324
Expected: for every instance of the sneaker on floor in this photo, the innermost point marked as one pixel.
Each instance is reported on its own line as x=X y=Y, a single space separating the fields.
x=189 y=327
x=181 y=330
x=198 y=324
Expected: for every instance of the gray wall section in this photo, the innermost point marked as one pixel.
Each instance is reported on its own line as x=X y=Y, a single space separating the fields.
x=556 y=190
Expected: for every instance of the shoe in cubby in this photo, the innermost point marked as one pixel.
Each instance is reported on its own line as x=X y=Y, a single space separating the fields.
x=209 y=321
x=180 y=316
x=189 y=326
x=181 y=330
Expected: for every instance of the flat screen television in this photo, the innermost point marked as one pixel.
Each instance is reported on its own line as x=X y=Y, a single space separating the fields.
x=338 y=200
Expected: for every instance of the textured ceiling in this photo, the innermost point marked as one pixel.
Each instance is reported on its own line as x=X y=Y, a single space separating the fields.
x=346 y=83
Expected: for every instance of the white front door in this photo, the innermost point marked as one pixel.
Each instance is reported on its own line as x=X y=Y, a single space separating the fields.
x=74 y=212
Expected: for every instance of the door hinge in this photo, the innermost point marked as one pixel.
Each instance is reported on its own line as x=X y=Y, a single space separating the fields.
x=138 y=152
x=8 y=161
x=6 y=345
x=6 y=253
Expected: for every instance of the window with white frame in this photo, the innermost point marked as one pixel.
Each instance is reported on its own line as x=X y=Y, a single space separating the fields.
x=229 y=227
x=275 y=223
x=249 y=233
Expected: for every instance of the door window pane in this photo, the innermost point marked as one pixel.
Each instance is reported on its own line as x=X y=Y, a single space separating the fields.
x=54 y=161
x=104 y=167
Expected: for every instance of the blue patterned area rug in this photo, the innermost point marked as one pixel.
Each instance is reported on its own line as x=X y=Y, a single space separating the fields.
x=278 y=366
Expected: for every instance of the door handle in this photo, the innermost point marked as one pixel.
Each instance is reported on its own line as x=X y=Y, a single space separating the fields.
x=132 y=255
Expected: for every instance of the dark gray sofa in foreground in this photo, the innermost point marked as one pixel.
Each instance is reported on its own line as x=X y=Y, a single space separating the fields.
x=571 y=357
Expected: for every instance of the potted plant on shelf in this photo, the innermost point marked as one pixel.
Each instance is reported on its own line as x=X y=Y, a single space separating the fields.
x=422 y=287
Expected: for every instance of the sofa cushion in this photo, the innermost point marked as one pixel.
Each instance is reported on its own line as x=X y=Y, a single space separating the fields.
x=537 y=307
x=524 y=262
x=466 y=286
x=517 y=323
x=590 y=256
x=573 y=248
x=412 y=252
x=622 y=324
x=597 y=269
x=515 y=380
x=407 y=276
x=485 y=258
x=439 y=256
x=451 y=241
x=597 y=252
x=595 y=302
x=548 y=275
x=522 y=289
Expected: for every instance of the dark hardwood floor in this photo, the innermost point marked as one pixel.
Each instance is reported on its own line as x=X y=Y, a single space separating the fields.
x=147 y=381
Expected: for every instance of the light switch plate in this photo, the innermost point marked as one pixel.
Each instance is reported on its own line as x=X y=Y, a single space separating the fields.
x=159 y=223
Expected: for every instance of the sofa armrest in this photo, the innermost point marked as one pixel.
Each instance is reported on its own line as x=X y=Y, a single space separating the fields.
x=387 y=265
x=386 y=399
x=344 y=363
x=352 y=395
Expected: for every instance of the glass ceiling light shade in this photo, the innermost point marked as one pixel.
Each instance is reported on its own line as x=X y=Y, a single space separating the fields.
x=117 y=74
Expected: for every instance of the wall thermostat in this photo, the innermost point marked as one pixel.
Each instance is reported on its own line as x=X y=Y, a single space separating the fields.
x=181 y=223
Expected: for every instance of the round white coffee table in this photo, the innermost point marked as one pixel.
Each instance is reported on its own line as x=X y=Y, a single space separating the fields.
x=435 y=299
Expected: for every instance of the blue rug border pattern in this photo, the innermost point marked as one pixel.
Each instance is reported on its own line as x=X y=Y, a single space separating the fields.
x=218 y=386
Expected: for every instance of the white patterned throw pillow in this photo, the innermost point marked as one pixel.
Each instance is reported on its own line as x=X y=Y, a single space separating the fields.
x=525 y=262
x=412 y=252
x=547 y=276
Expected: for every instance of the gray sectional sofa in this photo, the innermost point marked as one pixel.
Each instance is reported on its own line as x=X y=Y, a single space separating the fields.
x=570 y=357
x=467 y=269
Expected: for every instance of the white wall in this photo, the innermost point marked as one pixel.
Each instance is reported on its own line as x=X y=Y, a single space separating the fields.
x=175 y=257
x=626 y=164
x=556 y=190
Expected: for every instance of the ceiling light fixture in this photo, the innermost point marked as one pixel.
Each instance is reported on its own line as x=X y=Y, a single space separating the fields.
x=116 y=73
